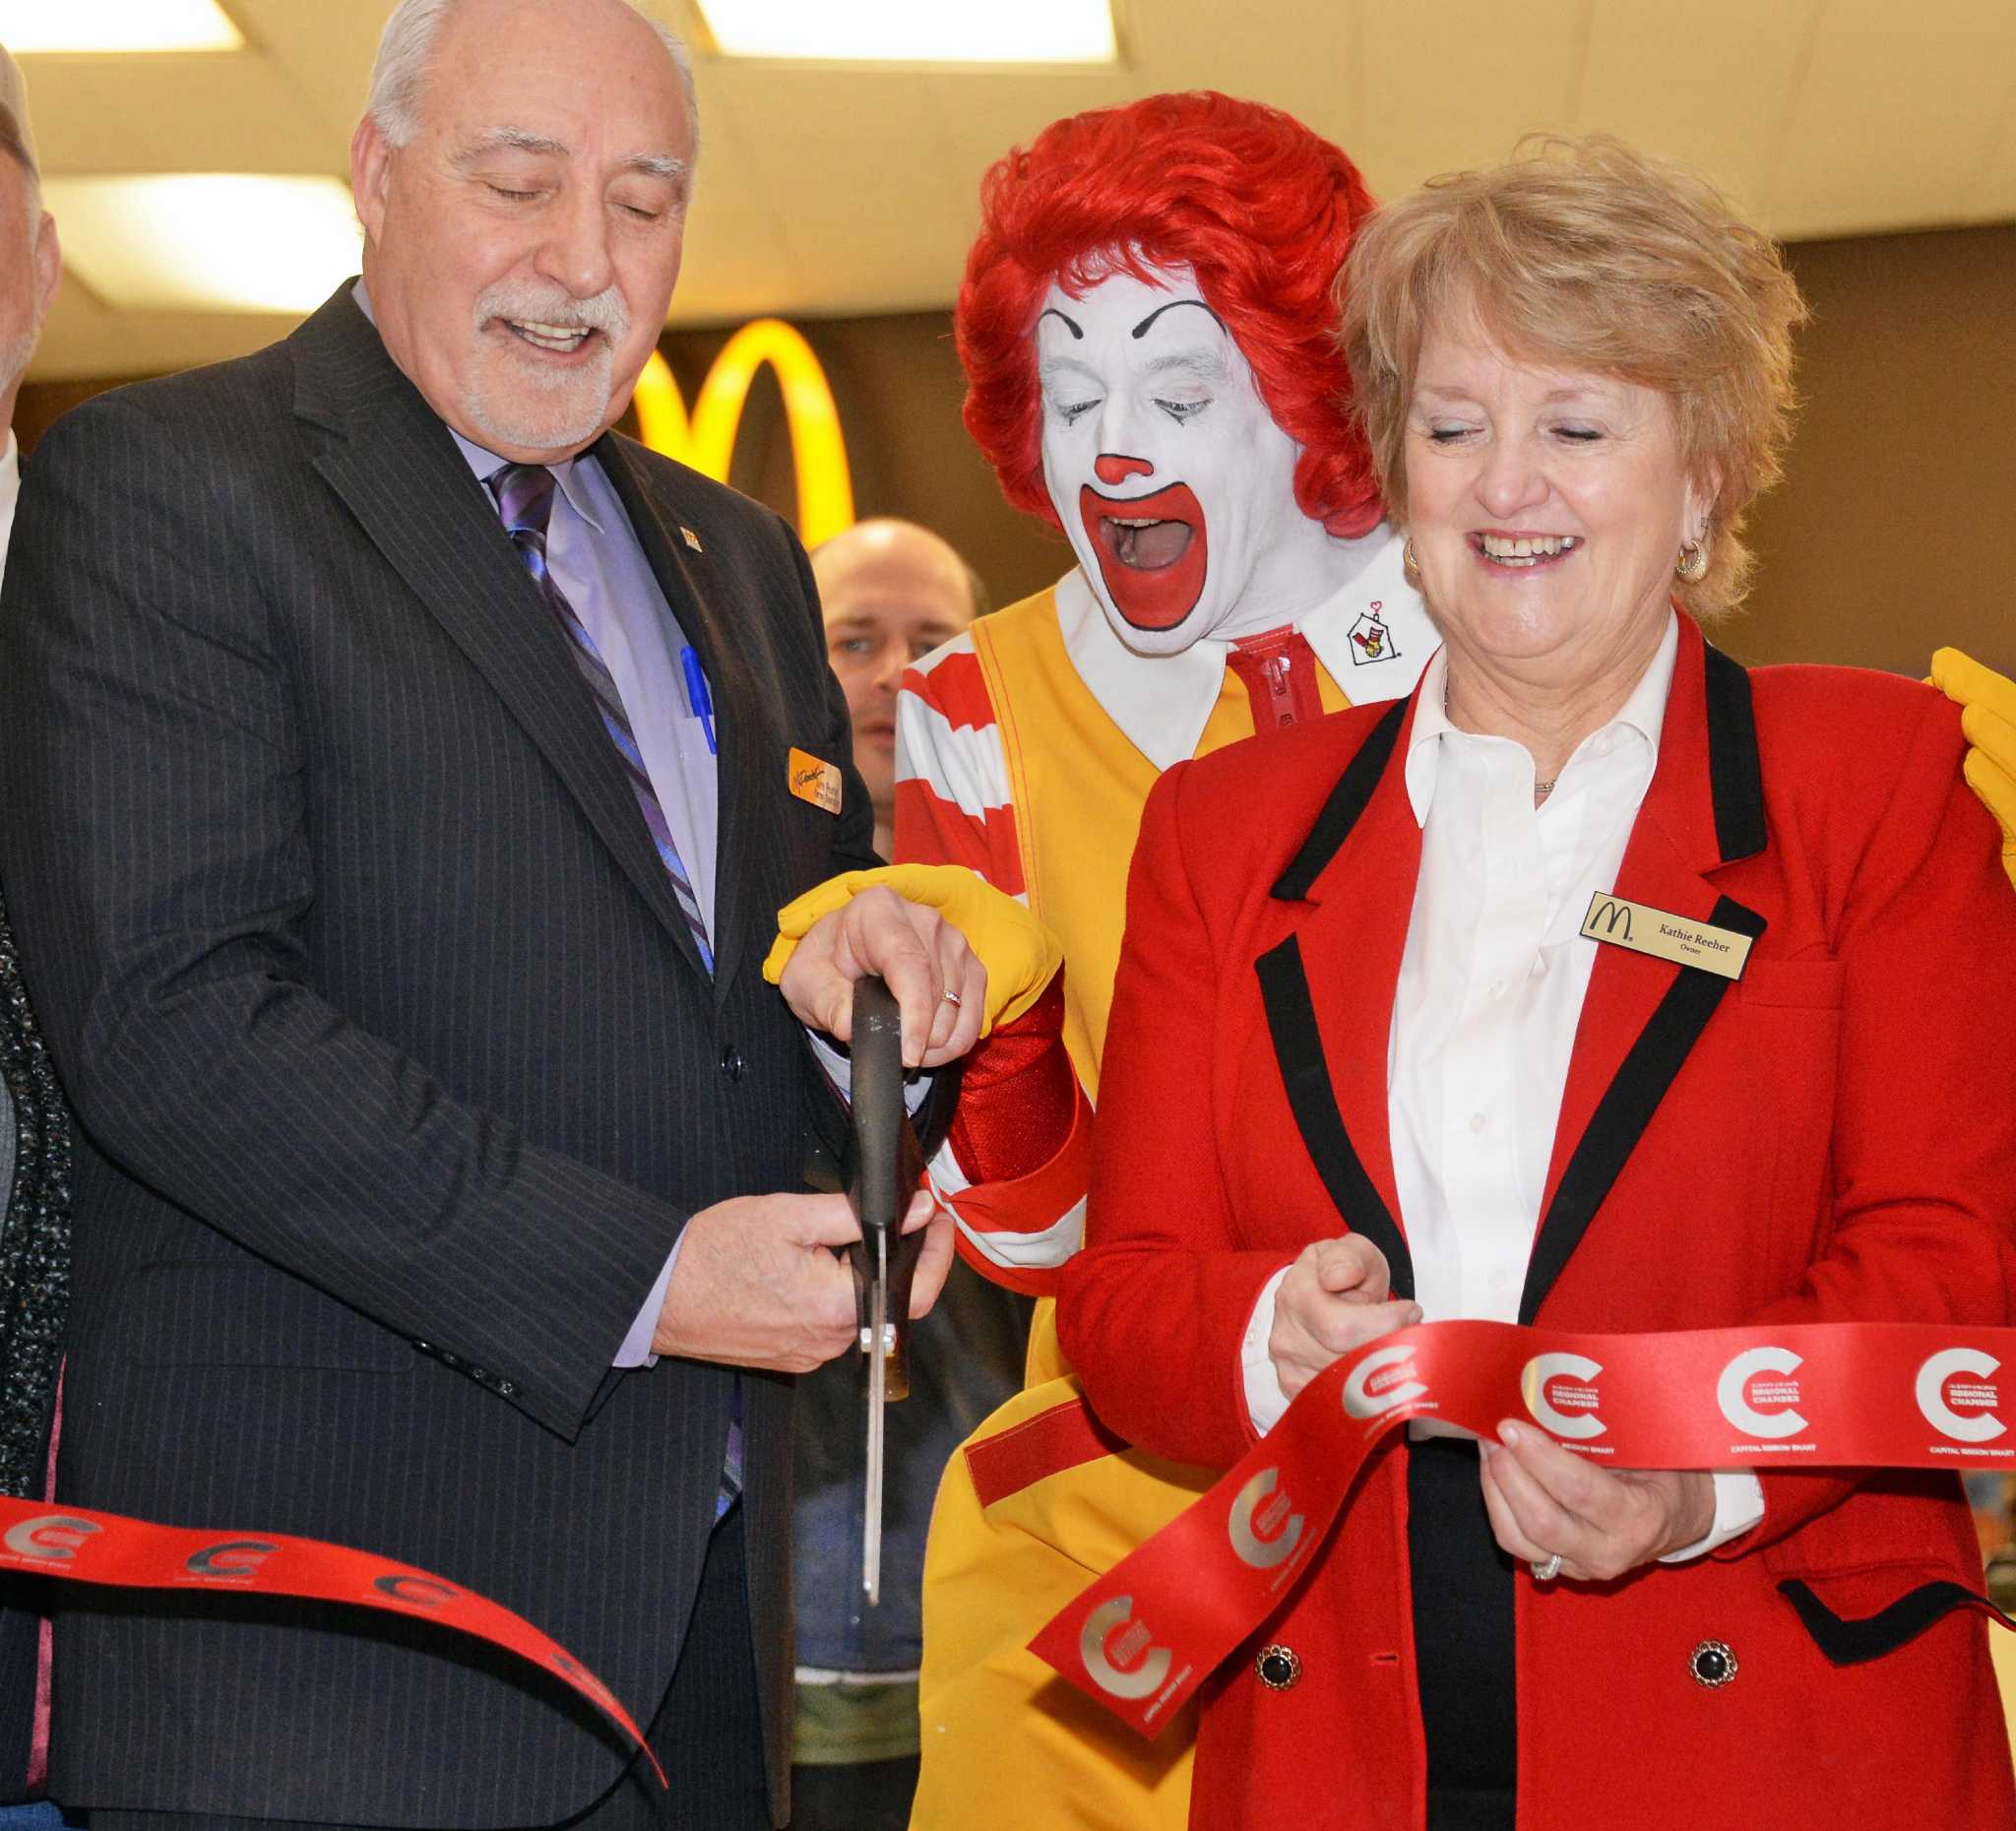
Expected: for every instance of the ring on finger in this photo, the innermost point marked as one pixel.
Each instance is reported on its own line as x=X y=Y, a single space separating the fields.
x=953 y=999
x=1547 y=1570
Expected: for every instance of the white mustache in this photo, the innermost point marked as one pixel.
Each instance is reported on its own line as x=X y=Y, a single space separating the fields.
x=529 y=302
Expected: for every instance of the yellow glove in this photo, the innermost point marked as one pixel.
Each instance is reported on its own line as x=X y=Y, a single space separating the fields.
x=1020 y=953
x=1988 y=719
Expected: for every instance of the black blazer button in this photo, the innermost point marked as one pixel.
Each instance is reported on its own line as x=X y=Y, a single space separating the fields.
x=1712 y=1664
x=1279 y=1667
x=731 y=1062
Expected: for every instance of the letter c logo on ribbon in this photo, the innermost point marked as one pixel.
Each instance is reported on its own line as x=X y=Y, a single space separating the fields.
x=235 y=1558
x=577 y=1674
x=1360 y=1403
x=424 y=1592
x=53 y=1537
x=1931 y=1395
x=1262 y=1553
x=1532 y=1388
x=1735 y=1383
x=1092 y=1648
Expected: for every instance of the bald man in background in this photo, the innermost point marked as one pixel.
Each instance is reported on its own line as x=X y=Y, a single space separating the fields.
x=892 y=592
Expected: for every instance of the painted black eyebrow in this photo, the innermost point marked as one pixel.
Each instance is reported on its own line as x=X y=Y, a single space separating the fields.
x=1141 y=328
x=1050 y=311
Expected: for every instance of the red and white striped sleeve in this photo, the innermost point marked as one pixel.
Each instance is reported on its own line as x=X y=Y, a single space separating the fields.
x=1014 y=1168
x=953 y=801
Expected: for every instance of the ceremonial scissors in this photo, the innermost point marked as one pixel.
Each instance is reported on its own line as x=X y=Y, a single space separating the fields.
x=884 y=1167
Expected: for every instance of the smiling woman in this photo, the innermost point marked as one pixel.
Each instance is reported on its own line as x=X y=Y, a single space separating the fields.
x=1431 y=1093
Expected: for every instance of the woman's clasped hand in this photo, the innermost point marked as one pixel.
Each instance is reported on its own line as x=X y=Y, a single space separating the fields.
x=1545 y=1502
x=1335 y=1298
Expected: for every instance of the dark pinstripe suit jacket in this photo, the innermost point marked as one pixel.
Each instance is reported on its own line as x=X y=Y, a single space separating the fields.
x=397 y=1072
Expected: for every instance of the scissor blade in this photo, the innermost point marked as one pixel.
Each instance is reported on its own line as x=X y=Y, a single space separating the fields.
x=878 y=1396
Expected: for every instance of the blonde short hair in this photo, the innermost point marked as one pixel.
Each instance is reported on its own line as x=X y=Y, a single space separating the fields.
x=1583 y=254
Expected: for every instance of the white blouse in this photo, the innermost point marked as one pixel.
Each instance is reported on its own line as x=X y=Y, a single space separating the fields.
x=1491 y=991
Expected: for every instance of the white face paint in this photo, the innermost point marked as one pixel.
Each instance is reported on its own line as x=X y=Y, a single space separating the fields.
x=1172 y=479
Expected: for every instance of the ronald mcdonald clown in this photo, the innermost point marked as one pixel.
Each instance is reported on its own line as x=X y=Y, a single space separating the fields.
x=1146 y=328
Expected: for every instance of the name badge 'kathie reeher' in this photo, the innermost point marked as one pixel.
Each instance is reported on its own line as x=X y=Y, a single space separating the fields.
x=1647 y=930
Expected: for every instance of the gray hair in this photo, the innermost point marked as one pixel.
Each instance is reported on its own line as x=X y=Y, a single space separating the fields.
x=406 y=47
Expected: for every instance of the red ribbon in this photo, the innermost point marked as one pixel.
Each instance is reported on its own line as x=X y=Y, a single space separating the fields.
x=1864 y=1395
x=56 y=1541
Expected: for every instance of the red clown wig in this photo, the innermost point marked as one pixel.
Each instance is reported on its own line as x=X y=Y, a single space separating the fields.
x=1259 y=207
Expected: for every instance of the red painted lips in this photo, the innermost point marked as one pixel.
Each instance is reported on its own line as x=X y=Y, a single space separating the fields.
x=1154 y=574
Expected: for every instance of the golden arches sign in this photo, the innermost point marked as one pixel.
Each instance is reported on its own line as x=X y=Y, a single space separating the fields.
x=707 y=440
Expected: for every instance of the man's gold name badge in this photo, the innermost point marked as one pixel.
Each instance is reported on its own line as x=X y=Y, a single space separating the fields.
x=815 y=782
x=1647 y=930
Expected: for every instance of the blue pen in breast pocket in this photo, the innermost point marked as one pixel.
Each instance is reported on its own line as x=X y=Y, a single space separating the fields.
x=699 y=702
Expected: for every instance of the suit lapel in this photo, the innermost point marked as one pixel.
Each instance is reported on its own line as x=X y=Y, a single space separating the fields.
x=696 y=598
x=1642 y=1017
x=399 y=473
x=1347 y=894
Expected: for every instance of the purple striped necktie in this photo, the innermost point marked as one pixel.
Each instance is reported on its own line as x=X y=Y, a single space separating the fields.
x=525 y=500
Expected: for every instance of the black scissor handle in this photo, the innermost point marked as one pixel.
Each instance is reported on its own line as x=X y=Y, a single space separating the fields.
x=884 y=1166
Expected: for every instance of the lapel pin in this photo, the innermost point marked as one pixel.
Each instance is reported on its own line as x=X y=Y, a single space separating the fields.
x=1370 y=639
x=813 y=781
x=692 y=539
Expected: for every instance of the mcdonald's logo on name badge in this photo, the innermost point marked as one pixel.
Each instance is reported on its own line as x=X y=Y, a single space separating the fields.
x=1647 y=930
x=815 y=782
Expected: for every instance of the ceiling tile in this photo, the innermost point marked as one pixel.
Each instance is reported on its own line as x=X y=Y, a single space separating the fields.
x=1648 y=80
x=841 y=190
x=1458 y=82
x=74 y=130
x=323 y=53
x=1898 y=116
x=236 y=113
x=1997 y=198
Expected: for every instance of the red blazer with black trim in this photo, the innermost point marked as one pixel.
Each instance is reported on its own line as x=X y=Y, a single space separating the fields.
x=1832 y=1137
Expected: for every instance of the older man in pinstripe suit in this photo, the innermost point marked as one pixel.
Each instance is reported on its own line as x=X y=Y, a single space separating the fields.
x=404 y=771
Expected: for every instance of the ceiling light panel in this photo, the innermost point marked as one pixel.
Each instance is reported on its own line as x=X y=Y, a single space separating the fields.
x=33 y=25
x=913 y=31
x=208 y=241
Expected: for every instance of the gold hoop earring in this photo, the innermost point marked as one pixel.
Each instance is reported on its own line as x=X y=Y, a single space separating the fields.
x=1692 y=564
x=1408 y=563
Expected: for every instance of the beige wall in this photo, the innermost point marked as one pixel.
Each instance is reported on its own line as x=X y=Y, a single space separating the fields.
x=1895 y=529
x=899 y=386
x=1892 y=534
